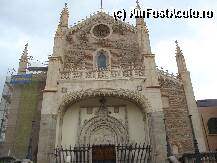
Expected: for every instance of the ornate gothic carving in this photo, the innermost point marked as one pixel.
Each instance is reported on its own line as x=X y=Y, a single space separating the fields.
x=123 y=41
x=82 y=37
x=166 y=82
x=124 y=72
x=103 y=130
x=120 y=29
x=69 y=38
x=74 y=58
x=133 y=96
x=104 y=43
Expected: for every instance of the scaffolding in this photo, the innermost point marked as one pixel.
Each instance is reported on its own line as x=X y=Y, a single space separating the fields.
x=4 y=106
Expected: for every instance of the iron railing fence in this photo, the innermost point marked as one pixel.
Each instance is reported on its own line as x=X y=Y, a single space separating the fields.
x=205 y=157
x=7 y=159
x=134 y=153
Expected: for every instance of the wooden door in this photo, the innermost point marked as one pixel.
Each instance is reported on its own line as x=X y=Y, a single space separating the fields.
x=103 y=154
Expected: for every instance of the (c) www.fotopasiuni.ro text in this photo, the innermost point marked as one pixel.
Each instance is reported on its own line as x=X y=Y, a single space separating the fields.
x=164 y=13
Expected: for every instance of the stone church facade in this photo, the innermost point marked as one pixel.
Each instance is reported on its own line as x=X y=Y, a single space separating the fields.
x=103 y=87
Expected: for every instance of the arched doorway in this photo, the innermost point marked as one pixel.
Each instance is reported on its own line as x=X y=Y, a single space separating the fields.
x=103 y=120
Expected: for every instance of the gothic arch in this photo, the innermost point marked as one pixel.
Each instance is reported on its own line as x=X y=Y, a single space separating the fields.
x=130 y=95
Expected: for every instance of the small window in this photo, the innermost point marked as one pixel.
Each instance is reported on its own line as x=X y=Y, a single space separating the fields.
x=212 y=125
x=102 y=60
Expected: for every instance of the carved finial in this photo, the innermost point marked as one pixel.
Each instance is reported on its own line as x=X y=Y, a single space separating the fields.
x=65 y=10
x=25 y=51
x=178 y=49
x=23 y=61
x=63 y=23
x=64 y=16
x=180 y=59
x=140 y=20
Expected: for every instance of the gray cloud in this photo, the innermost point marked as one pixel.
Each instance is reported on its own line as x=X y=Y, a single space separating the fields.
x=35 y=21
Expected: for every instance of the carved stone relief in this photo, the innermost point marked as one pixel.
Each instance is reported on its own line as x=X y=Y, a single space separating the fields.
x=103 y=130
x=102 y=26
x=101 y=123
x=134 y=96
x=109 y=129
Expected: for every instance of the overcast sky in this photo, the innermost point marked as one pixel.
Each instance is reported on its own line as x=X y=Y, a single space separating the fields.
x=35 y=22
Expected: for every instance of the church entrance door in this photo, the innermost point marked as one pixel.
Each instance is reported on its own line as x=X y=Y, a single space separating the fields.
x=103 y=154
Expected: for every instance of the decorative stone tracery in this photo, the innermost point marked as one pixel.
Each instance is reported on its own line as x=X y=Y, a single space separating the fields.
x=101 y=31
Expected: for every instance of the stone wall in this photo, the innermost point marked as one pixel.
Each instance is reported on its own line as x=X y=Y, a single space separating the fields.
x=176 y=114
x=206 y=114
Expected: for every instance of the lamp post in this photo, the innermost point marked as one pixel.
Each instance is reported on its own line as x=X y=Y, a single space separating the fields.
x=169 y=151
x=196 y=149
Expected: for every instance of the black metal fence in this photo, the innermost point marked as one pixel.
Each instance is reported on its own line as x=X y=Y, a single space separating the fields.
x=7 y=159
x=134 y=153
x=206 y=157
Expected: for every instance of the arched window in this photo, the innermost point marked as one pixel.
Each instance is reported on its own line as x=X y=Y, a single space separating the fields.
x=102 y=60
x=212 y=125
